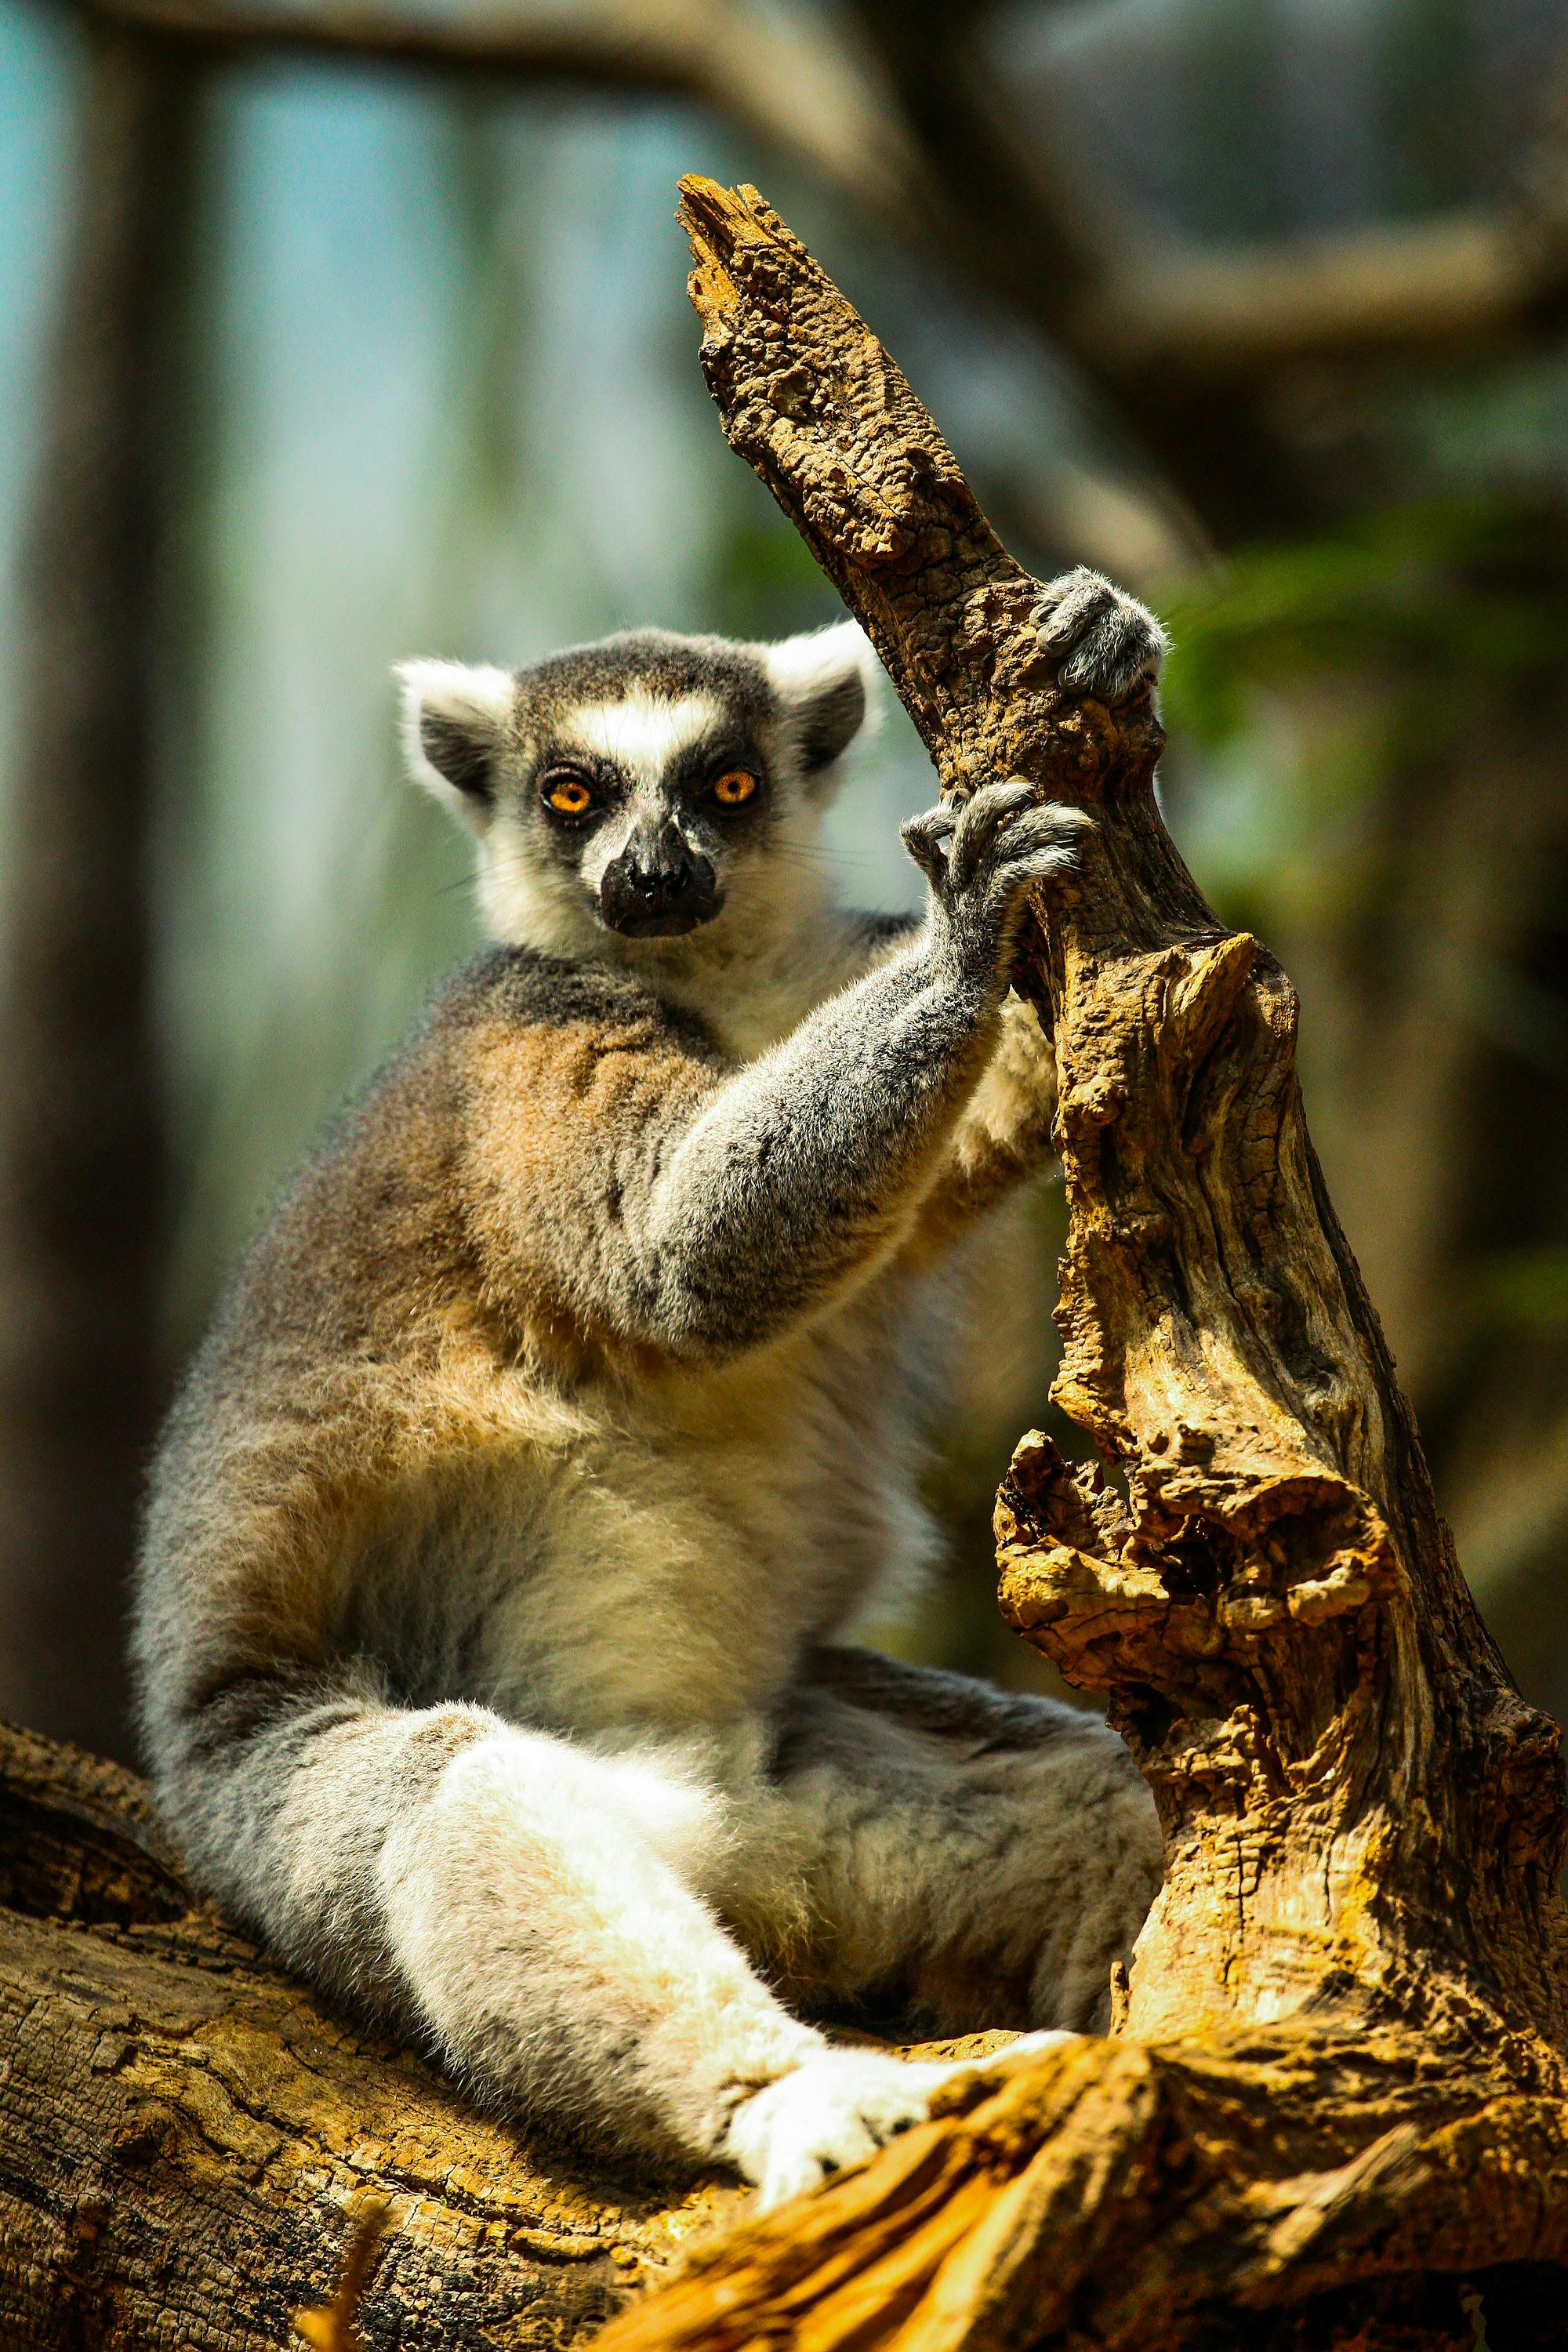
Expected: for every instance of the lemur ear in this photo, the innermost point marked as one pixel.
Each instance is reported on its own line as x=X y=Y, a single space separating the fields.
x=454 y=725
x=828 y=682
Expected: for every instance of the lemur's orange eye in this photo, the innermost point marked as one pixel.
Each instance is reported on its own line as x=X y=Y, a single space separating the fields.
x=737 y=786
x=569 y=795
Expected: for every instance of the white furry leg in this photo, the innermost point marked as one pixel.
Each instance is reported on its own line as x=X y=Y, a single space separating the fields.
x=534 y=1908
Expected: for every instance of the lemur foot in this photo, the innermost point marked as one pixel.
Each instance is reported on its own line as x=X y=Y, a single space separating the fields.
x=1108 y=645
x=837 y=2110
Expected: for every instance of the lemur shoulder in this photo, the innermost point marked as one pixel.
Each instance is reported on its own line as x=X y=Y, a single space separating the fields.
x=504 y=1540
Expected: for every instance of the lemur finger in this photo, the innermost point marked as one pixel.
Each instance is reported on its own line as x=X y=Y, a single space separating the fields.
x=1005 y=2061
x=1048 y=841
x=1119 y=652
x=982 y=820
x=1069 y=604
x=1050 y=825
x=924 y=836
x=1045 y=866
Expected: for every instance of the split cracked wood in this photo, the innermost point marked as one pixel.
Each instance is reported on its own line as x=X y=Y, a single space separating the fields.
x=1332 y=2113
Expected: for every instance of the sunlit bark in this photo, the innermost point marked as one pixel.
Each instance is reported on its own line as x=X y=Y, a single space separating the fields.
x=1332 y=2110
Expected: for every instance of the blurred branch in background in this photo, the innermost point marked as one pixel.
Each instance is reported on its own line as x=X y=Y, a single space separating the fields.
x=912 y=123
x=908 y=112
x=798 y=85
x=1181 y=339
x=82 y=1158
x=814 y=91
x=1219 y=318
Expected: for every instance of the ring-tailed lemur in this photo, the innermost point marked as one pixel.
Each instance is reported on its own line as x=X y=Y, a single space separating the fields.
x=566 y=1416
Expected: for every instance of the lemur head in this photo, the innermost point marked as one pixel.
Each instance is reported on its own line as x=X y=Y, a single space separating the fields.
x=645 y=789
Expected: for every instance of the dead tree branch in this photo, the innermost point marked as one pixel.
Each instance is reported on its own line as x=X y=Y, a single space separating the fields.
x=806 y=91
x=1334 y=2106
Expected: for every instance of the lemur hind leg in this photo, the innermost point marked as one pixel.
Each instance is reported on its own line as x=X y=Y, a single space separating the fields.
x=528 y=1909
x=518 y=1905
x=957 y=1856
x=543 y=1907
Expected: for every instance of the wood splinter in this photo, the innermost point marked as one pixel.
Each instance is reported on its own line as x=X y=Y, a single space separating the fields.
x=331 y=2328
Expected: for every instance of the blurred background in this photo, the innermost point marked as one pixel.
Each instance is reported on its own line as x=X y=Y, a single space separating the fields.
x=330 y=335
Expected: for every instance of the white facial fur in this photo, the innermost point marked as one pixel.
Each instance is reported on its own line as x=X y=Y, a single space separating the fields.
x=641 y=732
x=642 y=735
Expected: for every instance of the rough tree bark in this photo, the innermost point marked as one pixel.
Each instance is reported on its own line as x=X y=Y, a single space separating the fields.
x=185 y=2137
x=1333 y=2110
x=188 y=2140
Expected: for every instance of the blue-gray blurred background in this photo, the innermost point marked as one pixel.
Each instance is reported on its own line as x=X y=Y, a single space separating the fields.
x=329 y=338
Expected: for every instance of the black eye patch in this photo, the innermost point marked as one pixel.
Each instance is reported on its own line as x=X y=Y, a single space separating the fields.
x=694 y=772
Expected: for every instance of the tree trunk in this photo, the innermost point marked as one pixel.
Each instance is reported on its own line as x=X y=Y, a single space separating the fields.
x=81 y=1116
x=1331 y=2113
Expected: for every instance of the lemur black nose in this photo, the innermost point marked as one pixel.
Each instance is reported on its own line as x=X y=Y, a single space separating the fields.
x=659 y=885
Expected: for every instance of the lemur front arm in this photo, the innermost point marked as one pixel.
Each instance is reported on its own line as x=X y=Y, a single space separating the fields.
x=647 y=1196
x=658 y=1200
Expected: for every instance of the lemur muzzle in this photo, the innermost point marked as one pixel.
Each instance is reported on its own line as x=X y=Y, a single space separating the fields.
x=659 y=885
